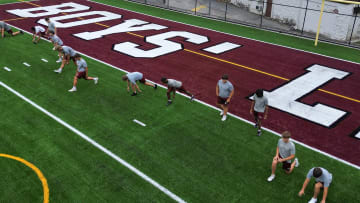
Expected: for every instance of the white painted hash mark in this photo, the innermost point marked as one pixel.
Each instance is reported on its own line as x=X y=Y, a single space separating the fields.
x=26 y=64
x=8 y=69
x=44 y=60
x=139 y=122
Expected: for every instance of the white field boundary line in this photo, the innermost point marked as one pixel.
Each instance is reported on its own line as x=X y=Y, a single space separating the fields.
x=233 y=34
x=140 y=123
x=97 y=145
x=230 y=114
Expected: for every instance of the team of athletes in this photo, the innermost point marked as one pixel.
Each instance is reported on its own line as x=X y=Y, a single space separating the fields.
x=285 y=150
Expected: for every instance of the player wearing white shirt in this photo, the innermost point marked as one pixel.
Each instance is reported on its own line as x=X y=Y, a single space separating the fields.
x=174 y=85
x=38 y=32
x=81 y=72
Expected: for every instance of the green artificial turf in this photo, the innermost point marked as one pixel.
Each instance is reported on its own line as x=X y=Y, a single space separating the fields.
x=327 y=49
x=11 y=1
x=185 y=147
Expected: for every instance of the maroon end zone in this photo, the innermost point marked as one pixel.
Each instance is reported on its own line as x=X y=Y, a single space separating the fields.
x=202 y=73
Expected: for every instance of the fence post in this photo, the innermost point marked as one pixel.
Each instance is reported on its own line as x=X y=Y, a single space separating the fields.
x=195 y=6
x=306 y=9
x=262 y=13
x=226 y=7
x=352 y=30
x=210 y=7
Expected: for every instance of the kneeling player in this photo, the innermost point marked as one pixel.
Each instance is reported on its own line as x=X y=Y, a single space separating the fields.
x=285 y=152
x=67 y=54
x=38 y=32
x=132 y=78
x=322 y=178
x=5 y=27
x=174 y=85
x=81 y=72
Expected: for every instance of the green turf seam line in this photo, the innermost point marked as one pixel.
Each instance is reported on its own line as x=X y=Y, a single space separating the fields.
x=97 y=145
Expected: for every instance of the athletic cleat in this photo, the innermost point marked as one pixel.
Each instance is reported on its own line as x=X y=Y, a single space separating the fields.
x=224 y=118
x=72 y=89
x=35 y=42
x=192 y=98
x=259 y=133
x=21 y=32
x=221 y=112
x=59 y=60
x=313 y=200
x=297 y=162
x=134 y=94
x=168 y=103
x=155 y=87
x=57 y=70
x=96 y=80
x=54 y=48
x=271 y=178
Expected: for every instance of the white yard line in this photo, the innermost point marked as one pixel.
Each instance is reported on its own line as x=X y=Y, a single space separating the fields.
x=97 y=145
x=230 y=114
x=44 y=60
x=139 y=122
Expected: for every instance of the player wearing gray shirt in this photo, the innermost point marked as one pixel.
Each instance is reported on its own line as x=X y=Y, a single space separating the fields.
x=56 y=40
x=259 y=108
x=323 y=179
x=51 y=26
x=173 y=86
x=285 y=152
x=5 y=27
x=81 y=72
x=66 y=53
x=38 y=32
x=224 y=93
x=131 y=79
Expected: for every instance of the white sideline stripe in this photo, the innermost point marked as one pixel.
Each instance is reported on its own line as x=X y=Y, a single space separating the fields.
x=8 y=69
x=106 y=151
x=44 y=60
x=230 y=114
x=26 y=64
x=139 y=122
x=233 y=34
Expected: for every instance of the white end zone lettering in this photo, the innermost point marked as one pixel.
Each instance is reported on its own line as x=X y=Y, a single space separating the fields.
x=285 y=97
x=105 y=16
x=126 y=26
x=48 y=10
x=161 y=40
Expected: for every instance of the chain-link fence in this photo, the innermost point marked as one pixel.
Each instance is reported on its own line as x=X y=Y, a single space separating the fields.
x=340 y=23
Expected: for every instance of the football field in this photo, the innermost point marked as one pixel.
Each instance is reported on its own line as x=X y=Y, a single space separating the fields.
x=89 y=149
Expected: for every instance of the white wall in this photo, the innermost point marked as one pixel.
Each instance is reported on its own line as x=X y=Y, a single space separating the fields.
x=333 y=26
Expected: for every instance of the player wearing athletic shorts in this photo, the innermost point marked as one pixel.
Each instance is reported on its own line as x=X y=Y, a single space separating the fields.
x=224 y=93
x=323 y=180
x=81 y=72
x=174 y=85
x=67 y=54
x=38 y=32
x=131 y=79
x=56 y=42
x=285 y=152
x=259 y=108
x=5 y=27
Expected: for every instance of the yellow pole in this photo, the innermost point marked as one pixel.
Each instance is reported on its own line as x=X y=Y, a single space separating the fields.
x=347 y=2
x=318 y=30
